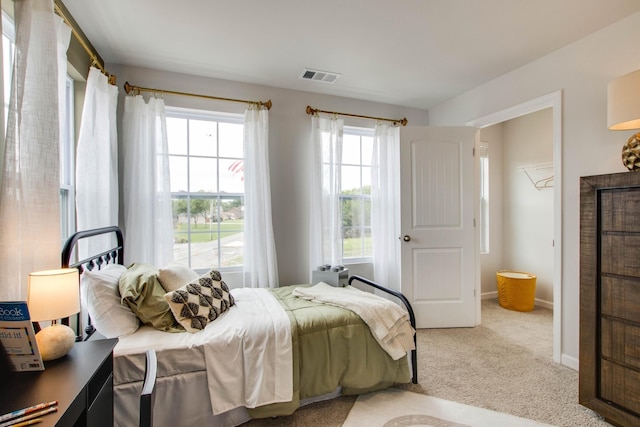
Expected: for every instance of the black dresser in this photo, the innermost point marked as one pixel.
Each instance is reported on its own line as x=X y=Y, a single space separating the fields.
x=81 y=382
x=610 y=296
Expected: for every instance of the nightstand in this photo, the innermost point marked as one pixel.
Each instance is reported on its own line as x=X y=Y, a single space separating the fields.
x=81 y=382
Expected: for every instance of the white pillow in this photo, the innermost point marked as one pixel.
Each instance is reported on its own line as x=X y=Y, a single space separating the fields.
x=175 y=275
x=100 y=295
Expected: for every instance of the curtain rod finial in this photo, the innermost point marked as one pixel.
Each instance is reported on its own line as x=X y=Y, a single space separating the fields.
x=268 y=104
x=127 y=87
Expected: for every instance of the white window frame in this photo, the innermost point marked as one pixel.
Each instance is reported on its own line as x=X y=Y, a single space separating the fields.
x=8 y=53
x=483 y=159
x=67 y=164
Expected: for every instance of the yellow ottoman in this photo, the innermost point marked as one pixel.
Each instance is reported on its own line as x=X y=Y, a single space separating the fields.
x=516 y=290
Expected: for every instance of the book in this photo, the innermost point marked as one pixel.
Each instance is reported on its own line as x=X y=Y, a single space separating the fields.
x=18 y=337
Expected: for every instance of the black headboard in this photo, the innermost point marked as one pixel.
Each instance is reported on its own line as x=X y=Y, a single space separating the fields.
x=114 y=255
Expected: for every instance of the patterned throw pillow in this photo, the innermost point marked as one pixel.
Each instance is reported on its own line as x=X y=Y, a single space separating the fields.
x=200 y=301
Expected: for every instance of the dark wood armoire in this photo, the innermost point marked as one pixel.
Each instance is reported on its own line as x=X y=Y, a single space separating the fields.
x=610 y=296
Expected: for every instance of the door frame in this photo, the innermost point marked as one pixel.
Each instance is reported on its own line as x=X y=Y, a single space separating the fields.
x=553 y=101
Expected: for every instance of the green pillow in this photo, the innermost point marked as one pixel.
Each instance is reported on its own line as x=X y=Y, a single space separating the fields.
x=142 y=291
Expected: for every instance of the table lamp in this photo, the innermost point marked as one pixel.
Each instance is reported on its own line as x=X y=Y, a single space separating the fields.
x=53 y=295
x=623 y=113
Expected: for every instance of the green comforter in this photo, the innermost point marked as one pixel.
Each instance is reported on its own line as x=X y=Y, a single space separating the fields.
x=332 y=347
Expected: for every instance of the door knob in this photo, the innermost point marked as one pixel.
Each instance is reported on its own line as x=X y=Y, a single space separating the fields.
x=406 y=238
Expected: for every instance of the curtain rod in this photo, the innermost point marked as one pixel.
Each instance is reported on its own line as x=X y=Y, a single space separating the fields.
x=128 y=88
x=62 y=11
x=311 y=111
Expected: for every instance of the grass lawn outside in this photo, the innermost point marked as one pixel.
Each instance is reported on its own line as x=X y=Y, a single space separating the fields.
x=208 y=232
x=353 y=247
x=200 y=233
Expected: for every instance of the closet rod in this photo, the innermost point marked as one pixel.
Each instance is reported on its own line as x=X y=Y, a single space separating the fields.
x=62 y=11
x=128 y=88
x=311 y=111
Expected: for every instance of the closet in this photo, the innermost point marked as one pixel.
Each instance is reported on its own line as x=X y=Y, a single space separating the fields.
x=609 y=374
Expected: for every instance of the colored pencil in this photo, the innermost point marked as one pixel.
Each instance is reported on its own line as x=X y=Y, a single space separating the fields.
x=28 y=410
x=28 y=423
x=30 y=416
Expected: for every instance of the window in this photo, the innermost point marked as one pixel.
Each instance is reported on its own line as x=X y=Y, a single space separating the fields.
x=67 y=144
x=206 y=160
x=355 y=196
x=67 y=164
x=8 y=52
x=483 y=153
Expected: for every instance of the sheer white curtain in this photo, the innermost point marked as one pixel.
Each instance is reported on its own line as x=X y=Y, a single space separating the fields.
x=148 y=222
x=260 y=261
x=97 y=162
x=30 y=190
x=325 y=227
x=385 y=205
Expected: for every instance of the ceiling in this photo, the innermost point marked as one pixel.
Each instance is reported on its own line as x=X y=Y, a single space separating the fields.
x=413 y=53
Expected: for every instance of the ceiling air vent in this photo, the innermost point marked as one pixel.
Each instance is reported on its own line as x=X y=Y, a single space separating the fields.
x=319 y=76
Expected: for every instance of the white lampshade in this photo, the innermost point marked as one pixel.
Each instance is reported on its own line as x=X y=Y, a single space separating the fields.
x=53 y=294
x=623 y=102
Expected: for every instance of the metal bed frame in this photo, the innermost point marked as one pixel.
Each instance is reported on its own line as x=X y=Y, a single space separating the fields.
x=412 y=320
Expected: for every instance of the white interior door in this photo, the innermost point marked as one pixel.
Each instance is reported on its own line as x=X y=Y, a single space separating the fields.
x=439 y=251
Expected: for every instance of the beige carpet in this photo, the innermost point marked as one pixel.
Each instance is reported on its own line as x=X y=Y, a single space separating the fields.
x=504 y=365
x=398 y=408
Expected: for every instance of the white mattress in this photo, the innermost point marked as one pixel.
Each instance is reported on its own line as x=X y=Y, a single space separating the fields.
x=177 y=353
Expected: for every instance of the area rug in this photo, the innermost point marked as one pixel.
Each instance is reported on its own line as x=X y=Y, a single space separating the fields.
x=400 y=408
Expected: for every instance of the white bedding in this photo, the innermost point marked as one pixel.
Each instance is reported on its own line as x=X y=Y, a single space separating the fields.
x=246 y=354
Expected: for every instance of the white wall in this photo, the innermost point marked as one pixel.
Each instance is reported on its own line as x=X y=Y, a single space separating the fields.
x=289 y=128
x=582 y=71
x=528 y=212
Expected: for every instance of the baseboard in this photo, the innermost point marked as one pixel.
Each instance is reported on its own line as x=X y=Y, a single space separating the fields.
x=570 y=362
x=544 y=304
x=539 y=302
x=489 y=295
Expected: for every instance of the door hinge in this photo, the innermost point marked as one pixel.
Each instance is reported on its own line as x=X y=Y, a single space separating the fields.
x=473 y=151
x=474 y=222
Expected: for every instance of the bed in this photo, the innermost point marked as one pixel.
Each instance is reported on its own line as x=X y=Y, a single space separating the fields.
x=268 y=353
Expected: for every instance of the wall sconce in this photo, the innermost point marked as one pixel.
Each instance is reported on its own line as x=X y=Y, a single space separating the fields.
x=53 y=295
x=623 y=113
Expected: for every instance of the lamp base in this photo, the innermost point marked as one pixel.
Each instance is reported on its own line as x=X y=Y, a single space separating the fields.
x=55 y=341
x=631 y=153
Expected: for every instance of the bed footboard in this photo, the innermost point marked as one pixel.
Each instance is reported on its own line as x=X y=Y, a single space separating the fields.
x=412 y=319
